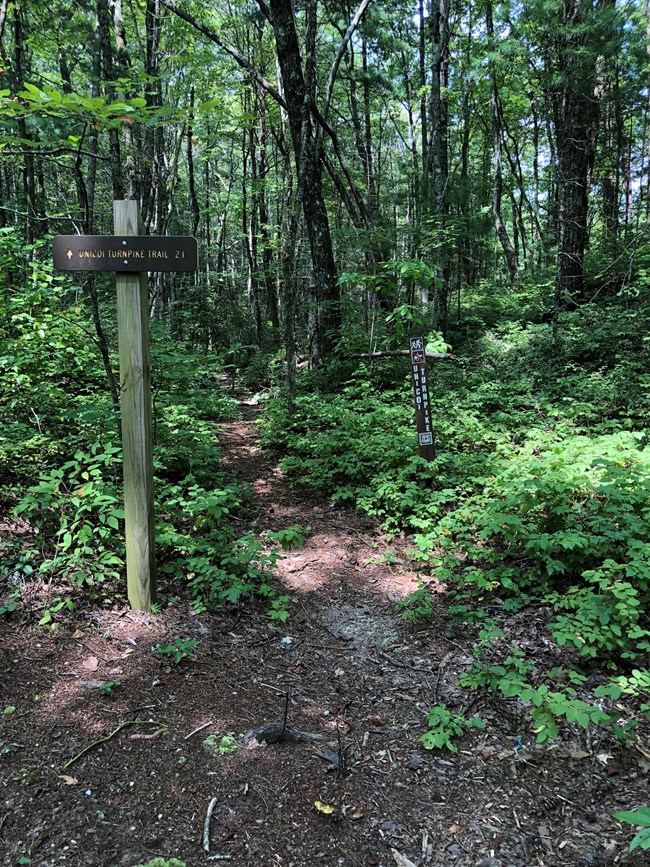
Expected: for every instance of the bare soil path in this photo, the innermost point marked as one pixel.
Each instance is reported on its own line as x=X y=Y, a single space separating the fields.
x=357 y=675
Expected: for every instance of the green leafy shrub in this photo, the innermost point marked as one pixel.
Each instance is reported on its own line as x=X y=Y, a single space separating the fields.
x=568 y=519
x=641 y=818
x=53 y=396
x=223 y=745
x=202 y=550
x=511 y=678
x=444 y=725
x=77 y=506
x=179 y=649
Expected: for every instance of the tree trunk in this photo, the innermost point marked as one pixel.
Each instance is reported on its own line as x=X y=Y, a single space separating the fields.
x=108 y=74
x=497 y=155
x=298 y=96
x=575 y=114
x=191 y=181
x=29 y=173
x=263 y=213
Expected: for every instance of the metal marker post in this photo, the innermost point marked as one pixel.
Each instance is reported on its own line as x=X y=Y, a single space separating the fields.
x=135 y=404
x=421 y=398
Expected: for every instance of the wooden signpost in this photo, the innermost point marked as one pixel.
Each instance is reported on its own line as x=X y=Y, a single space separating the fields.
x=421 y=398
x=131 y=256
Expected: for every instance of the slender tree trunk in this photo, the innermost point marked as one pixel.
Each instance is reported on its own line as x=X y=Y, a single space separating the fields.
x=435 y=200
x=85 y=185
x=575 y=110
x=29 y=173
x=438 y=153
x=249 y=221
x=646 y=12
x=424 y=21
x=108 y=74
x=263 y=213
x=535 y=203
x=153 y=182
x=371 y=187
x=191 y=182
x=4 y=6
x=497 y=155
x=298 y=91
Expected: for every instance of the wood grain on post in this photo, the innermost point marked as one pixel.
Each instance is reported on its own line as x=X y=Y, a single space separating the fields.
x=135 y=403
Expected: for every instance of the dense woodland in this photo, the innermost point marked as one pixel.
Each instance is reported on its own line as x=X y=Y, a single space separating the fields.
x=475 y=173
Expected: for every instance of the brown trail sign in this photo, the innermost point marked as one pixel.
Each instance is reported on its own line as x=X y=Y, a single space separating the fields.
x=132 y=255
x=124 y=253
x=421 y=398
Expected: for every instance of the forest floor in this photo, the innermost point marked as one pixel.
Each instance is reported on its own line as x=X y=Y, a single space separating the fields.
x=357 y=675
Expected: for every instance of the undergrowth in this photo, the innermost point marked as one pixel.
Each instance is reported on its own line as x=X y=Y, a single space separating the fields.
x=61 y=461
x=538 y=494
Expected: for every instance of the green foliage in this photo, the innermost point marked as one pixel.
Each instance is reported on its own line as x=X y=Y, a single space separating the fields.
x=278 y=610
x=511 y=678
x=179 y=649
x=52 y=395
x=12 y=603
x=289 y=537
x=54 y=606
x=223 y=745
x=58 y=454
x=417 y=604
x=641 y=818
x=570 y=515
x=358 y=448
x=108 y=687
x=202 y=550
x=77 y=506
x=443 y=726
x=538 y=494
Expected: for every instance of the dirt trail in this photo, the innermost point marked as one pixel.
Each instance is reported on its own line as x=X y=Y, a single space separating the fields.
x=343 y=549
x=354 y=673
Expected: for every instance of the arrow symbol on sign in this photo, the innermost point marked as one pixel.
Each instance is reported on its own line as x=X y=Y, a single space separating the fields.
x=69 y=254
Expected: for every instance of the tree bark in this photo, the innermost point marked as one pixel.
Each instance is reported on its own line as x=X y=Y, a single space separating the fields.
x=29 y=173
x=263 y=212
x=298 y=92
x=575 y=115
x=108 y=74
x=497 y=156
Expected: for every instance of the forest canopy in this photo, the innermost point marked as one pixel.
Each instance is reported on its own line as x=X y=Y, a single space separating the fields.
x=333 y=159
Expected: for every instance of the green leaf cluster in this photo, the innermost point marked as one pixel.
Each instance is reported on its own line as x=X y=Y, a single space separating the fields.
x=443 y=726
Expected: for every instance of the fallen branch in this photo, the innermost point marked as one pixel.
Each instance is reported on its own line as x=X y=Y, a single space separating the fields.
x=133 y=722
x=206 y=825
x=197 y=730
x=388 y=353
x=152 y=737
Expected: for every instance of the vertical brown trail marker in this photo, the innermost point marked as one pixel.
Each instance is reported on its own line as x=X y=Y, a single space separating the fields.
x=421 y=398
x=131 y=255
x=135 y=405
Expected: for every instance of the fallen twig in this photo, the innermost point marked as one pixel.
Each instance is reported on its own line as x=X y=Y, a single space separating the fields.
x=286 y=712
x=390 y=353
x=197 y=730
x=206 y=825
x=152 y=737
x=401 y=664
x=133 y=722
